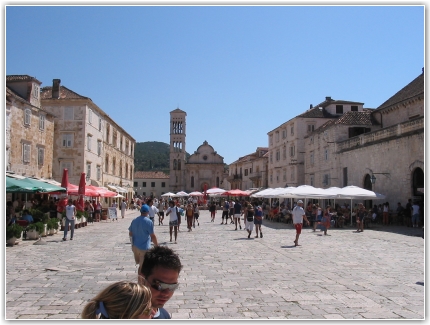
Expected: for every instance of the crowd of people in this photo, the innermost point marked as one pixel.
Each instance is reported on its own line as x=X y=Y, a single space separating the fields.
x=159 y=266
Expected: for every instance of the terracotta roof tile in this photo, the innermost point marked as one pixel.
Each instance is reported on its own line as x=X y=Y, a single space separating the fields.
x=65 y=93
x=20 y=77
x=325 y=126
x=413 y=89
x=316 y=112
x=356 y=118
x=150 y=175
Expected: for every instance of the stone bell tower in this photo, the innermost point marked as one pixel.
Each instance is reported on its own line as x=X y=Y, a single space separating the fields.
x=177 y=150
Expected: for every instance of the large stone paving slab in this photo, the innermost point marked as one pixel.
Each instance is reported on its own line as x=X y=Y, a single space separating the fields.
x=376 y=274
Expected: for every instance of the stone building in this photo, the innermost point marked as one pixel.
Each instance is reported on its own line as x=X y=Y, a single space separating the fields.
x=322 y=165
x=29 y=129
x=205 y=167
x=393 y=153
x=250 y=171
x=88 y=140
x=150 y=183
x=287 y=142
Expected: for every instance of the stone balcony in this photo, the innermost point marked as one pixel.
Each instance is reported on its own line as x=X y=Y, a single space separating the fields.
x=381 y=135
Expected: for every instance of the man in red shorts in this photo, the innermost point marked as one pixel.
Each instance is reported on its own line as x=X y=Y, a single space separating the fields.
x=298 y=215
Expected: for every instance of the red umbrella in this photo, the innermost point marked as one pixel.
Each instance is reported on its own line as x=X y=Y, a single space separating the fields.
x=65 y=179
x=64 y=183
x=236 y=192
x=88 y=191
x=81 y=193
x=101 y=191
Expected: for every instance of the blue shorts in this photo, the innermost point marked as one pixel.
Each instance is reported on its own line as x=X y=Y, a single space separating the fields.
x=258 y=222
x=415 y=218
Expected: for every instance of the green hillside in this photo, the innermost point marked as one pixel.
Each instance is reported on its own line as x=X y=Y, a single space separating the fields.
x=152 y=156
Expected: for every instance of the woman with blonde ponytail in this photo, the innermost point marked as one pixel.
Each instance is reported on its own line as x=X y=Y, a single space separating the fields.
x=120 y=300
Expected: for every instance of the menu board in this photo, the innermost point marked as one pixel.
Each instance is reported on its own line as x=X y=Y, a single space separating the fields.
x=112 y=213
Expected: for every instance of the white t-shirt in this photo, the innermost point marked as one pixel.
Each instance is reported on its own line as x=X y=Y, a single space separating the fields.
x=123 y=205
x=173 y=216
x=415 y=209
x=152 y=211
x=385 y=208
x=298 y=213
x=70 y=211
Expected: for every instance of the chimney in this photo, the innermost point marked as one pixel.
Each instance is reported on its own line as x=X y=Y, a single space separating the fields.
x=311 y=106
x=328 y=98
x=56 y=88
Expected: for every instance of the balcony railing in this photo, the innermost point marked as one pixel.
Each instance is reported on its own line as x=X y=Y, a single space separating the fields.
x=395 y=130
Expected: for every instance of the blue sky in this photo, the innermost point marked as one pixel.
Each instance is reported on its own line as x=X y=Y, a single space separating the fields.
x=238 y=71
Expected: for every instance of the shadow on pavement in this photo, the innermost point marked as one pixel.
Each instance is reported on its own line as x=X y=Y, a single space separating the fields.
x=292 y=246
x=401 y=230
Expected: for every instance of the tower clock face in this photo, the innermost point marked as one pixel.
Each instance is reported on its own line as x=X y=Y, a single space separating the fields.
x=205 y=157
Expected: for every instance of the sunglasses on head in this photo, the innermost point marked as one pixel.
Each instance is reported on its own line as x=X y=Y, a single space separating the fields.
x=161 y=286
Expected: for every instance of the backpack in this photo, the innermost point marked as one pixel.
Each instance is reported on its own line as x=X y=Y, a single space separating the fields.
x=250 y=215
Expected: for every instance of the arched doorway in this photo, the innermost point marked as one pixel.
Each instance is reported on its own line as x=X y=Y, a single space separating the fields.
x=367 y=185
x=418 y=190
x=418 y=182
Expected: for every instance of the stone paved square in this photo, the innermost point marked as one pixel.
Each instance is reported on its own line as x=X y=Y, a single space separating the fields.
x=377 y=274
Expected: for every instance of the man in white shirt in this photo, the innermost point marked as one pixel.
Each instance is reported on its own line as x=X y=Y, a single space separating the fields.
x=173 y=223
x=123 y=208
x=415 y=215
x=70 y=219
x=298 y=216
x=152 y=210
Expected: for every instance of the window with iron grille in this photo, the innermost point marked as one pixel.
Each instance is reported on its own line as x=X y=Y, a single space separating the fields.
x=26 y=152
x=40 y=156
x=67 y=140
x=88 y=170
x=42 y=122
x=27 y=116
x=89 y=137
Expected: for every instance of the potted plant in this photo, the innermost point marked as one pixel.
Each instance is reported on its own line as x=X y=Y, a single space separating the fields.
x=79 y=215
x=13 y=232
x=54 y=225
x=34 y=230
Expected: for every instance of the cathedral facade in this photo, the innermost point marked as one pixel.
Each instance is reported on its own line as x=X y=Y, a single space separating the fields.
x=203 y=169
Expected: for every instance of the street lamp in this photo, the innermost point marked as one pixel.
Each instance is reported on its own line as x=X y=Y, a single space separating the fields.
x=372 y=179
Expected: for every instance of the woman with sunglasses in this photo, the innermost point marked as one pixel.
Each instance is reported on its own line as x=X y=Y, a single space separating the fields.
x=120 y=300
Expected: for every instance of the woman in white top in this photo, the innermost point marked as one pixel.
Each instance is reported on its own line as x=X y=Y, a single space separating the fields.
x=173 y=222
